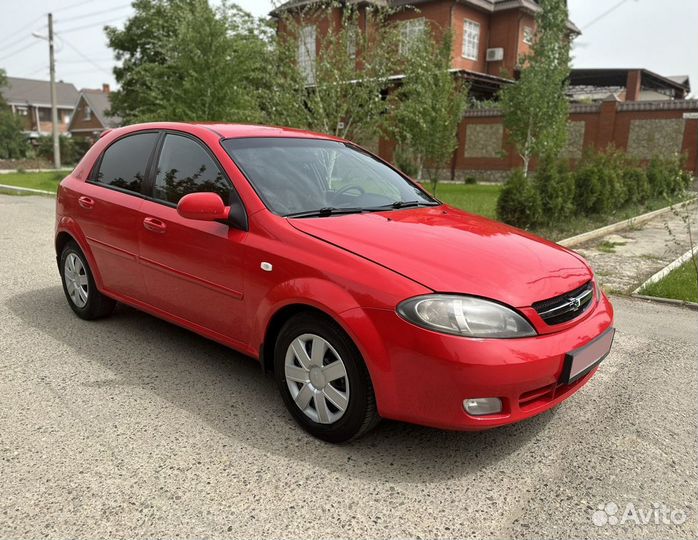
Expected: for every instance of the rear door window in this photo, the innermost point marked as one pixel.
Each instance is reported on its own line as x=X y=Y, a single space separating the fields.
x=125 y=162
x=186 y=167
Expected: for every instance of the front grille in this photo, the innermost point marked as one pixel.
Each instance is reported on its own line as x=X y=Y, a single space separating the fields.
x=566 y=307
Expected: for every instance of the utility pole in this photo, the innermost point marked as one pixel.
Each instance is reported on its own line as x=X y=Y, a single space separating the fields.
x=54 y=106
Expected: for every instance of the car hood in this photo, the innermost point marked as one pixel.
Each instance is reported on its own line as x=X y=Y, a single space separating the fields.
x=448 y=250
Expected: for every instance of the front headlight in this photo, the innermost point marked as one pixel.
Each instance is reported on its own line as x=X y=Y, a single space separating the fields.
x=465 y=316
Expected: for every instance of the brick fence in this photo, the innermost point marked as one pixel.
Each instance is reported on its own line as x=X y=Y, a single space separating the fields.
x=644 y=129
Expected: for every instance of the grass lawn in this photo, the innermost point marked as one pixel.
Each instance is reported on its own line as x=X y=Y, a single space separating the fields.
x=475 y=198
x=681 y=284
x=46 y=181
x=482 y=199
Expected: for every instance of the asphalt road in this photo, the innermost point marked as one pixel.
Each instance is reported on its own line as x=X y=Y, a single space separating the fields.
x=131 y=427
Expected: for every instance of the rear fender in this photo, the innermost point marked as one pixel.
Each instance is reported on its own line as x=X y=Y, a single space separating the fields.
x=67 y=225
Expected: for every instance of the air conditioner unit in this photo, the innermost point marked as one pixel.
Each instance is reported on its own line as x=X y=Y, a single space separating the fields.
x=495 y=55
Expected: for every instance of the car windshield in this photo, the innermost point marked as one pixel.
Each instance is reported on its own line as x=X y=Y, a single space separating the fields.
x=309 y=177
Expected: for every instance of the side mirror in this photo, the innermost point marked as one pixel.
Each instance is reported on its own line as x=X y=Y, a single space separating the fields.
x=203 y=207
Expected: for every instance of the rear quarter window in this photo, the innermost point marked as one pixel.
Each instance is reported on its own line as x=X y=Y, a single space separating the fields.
x=124 y=163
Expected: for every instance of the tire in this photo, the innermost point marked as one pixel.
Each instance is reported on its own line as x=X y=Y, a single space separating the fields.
x=340 y=404
x=79 y=285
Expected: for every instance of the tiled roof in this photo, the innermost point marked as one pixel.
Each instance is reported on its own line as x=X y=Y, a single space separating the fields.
x=33 y=92
x=99 y=103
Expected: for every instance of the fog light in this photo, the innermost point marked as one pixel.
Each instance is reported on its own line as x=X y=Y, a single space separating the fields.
x=483 y=406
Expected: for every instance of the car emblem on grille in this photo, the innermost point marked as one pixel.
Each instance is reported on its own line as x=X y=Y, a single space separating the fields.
x=575 y=304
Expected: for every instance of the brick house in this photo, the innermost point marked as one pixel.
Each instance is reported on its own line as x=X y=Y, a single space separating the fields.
x=635 y=110
x=30 y=99
x=90 y=118
x=489 y=36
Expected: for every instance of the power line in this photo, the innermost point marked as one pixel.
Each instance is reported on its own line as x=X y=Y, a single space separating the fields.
x=7 y=39
x=89 y=60
x=71 y=6
x=604 y=14
x=92 y=25
x=94 y=13
x=19 y=50
x=72 y=61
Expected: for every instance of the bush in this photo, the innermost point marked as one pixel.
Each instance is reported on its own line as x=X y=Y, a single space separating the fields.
x=470 y=179
x=600 y=182
x=591 y=193
x=13 y=143
x=555 y=185
x=613 y=165
x=519 y=203
x=636 y=185
x=659 y=178
x=72 y=149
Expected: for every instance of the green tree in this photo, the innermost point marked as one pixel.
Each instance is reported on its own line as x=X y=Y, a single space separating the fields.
x=182 y=60
x=536 y=108
x=331 y=82
x=429 y=105
x=13 y=144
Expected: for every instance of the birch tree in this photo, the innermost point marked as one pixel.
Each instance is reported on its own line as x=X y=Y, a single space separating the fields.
x=535 y=108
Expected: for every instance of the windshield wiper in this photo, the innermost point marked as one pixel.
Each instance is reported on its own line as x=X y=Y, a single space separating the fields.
x=327 y=211
x=405 y=204
x=333 y=211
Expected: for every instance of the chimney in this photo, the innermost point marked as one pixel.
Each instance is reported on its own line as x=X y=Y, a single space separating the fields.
x=106 y=89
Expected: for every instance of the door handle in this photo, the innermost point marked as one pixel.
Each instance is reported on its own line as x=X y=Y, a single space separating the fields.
x=154 y=225
x=86 y=203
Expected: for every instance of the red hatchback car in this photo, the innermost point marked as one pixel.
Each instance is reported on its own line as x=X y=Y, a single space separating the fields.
x=364 y=295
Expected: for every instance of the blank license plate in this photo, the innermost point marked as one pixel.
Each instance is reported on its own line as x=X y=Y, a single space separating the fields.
x=580 y=362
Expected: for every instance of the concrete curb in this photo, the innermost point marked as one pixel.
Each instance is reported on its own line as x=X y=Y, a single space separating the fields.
x=28 y=191
x=668 y=269
x=669 y=301
x=614 y=227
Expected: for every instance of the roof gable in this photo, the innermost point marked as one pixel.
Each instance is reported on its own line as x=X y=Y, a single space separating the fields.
x=38 y=93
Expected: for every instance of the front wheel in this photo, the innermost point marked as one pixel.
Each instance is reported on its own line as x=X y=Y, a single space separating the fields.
x=323 y=379
x=79 y=285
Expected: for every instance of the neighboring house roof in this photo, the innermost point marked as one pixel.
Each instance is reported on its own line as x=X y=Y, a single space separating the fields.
x=617 y=77
x=99 y=103
x=38 y=93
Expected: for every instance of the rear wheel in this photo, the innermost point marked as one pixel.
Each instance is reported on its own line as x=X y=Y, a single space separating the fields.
x=323 y=379
x=79 y=285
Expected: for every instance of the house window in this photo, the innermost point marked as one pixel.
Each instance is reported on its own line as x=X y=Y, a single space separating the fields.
x=471 y=39
x=22 y=111
x=44 y=114
x=307 y=42
x=87 y=113
x=410 y=32
x=528 y=35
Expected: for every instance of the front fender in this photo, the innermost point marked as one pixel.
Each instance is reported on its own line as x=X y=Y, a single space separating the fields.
x=314 y=292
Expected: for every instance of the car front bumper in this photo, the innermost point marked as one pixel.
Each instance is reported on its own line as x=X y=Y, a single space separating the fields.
x=423 y=377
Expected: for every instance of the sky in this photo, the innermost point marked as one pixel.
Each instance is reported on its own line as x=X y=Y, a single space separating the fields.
x=659 y=35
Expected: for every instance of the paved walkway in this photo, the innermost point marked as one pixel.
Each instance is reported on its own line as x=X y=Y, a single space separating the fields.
x=624 y=260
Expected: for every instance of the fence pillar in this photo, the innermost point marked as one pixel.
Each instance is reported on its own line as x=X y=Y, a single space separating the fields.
x=633 y=85
x=607 y=123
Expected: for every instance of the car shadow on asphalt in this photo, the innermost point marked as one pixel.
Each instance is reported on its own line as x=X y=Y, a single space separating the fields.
x=229 y=393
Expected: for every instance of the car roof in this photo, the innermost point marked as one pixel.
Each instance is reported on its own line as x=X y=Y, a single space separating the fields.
x=232 y=131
